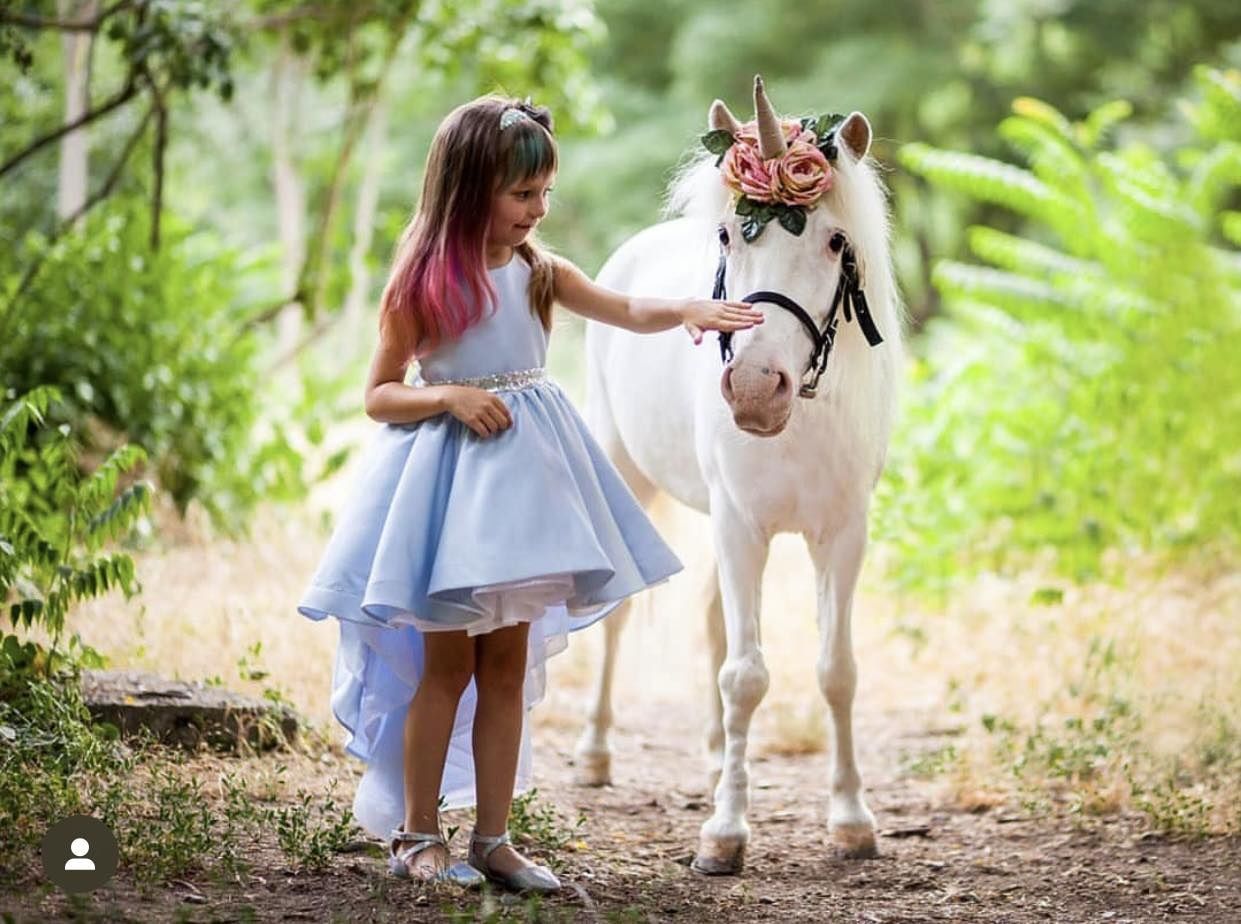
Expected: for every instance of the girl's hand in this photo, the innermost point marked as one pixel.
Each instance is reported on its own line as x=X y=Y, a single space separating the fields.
x=480 y=410
x=703 y=314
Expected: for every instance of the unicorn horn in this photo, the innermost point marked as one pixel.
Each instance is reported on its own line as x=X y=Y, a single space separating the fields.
x=770 y=135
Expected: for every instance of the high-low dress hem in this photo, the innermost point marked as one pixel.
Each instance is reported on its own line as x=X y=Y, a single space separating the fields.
x=446 y=531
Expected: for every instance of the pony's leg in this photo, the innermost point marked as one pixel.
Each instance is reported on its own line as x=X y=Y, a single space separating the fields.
x=741 y=552
x=593 y=754
x=837 y=561
x=716 y=648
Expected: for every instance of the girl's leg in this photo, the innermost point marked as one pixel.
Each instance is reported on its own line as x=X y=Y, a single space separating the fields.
x=447 y=668
x=500 y=674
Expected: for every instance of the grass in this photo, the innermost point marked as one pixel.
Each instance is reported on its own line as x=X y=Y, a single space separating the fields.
x=1096 y=700
x=169 y=819
x=538 y=824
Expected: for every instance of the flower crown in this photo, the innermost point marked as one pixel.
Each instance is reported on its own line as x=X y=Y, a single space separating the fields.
x=783 y=187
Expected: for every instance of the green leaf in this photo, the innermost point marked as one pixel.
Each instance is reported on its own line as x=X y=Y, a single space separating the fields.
x=752 y=227
x=717 y=141
x=827 y=124
x=792 y=218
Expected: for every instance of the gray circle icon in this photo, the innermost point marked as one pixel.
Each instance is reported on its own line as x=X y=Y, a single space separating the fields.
x=79 y=853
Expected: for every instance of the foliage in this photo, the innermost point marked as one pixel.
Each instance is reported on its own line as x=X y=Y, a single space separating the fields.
x=536 y=824
x=55 y=762
x=942 y=73
x=1083 y=394
x=48 y=748
x=53 y=524
x=148 y=344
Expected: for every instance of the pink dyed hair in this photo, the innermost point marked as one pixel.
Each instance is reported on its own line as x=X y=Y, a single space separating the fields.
x=438 y=286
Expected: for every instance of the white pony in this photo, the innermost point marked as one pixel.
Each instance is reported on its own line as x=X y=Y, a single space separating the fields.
x=740 y=441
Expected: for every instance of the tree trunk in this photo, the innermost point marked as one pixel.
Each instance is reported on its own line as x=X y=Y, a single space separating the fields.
x=74 y=147
x=288 y=78
x=364 y=223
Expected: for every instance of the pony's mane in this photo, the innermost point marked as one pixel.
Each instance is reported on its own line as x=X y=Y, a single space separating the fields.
x=696 y=191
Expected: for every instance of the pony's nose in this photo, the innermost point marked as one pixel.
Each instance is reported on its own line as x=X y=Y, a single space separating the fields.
x=754 y=383
x=782 y=381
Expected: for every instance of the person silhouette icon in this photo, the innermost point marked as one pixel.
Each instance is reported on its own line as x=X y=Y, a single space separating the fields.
x=71 y=839
x=80 y=847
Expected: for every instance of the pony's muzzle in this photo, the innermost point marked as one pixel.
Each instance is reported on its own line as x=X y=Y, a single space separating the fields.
x=759 y=395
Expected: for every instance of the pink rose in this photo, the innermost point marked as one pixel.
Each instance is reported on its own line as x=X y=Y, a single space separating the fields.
x=798 y=177
x=745 y=171
x=792 y=132
x=801 y=175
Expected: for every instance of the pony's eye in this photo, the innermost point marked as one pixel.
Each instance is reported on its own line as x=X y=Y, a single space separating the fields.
x=837 y=242
x=723 y=236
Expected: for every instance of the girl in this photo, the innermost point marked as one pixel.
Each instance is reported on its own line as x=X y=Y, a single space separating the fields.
x=486 y=523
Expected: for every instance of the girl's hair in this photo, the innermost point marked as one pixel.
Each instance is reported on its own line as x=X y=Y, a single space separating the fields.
x=438 y=286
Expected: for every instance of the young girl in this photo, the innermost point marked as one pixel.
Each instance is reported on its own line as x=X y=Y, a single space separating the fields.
x=486 y=523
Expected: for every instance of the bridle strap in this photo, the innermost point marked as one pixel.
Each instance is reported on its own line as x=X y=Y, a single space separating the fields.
x=849 y=291
x=848 y=294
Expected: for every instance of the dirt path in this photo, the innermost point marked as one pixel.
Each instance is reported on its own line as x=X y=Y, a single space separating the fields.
x=937 y=864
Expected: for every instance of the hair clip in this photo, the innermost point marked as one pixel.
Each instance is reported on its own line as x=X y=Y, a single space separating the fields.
x=511 y=116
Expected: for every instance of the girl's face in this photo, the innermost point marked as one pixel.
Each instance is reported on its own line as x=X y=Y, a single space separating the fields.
x=517 y=209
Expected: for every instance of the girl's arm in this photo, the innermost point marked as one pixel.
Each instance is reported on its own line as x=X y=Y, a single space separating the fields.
x=647 y=314
x=389 y=400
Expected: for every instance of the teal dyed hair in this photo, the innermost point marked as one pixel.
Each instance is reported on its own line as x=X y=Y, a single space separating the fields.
x=527 y=150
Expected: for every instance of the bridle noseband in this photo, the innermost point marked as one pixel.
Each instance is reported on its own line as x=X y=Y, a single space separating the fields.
x=848 y=293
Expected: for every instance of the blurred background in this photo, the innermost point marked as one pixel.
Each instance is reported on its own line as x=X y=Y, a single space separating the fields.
x=199 y=200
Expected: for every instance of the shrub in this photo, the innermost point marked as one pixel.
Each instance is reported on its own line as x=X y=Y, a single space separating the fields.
x=1081 y=393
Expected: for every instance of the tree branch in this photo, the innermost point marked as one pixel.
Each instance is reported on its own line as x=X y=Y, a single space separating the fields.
x=105 y=190
x=314 y=276
x=321 y=327
x=161 y=146
x=110 y=182
x=124 y=95
x=270 y=312
x=26 y=21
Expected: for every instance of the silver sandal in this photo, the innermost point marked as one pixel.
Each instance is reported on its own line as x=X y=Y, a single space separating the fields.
x=527 y=879
x=461 y=874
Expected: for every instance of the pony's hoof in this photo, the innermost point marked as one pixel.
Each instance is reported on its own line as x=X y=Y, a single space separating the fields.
x=854 y=841
x=718 y=859
x=594 y=768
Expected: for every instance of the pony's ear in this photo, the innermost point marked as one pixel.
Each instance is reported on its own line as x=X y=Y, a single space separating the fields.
x=719 y=117
x=854 y=133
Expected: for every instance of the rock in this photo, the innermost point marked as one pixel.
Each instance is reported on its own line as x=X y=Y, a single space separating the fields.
x=185 y=714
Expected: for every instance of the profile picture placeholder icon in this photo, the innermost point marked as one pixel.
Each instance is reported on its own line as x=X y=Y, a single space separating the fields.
x=79 y=853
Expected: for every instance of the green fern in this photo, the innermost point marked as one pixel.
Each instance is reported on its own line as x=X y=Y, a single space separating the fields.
x=1230 y=227
x=1010 y=252
x=53 y=521
x=1096 y=126
x=1017 y=293
x=1087 y=372
x=1216 y=175
x=993 y=181
x=21 y=415
x=1053 y=158
x=1218 y=116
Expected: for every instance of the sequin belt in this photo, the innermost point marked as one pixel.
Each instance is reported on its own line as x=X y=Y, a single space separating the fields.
x=500 y=381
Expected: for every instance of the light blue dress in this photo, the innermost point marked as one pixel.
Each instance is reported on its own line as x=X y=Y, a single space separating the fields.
x=444 y=530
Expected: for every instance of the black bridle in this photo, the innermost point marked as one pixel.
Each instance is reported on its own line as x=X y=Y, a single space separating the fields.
x=848 y=293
